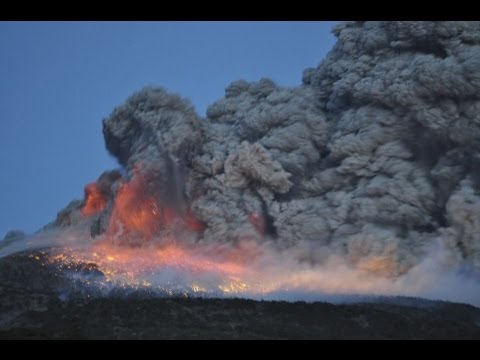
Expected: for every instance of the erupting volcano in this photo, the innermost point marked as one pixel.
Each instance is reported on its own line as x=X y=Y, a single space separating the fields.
x=361 y=180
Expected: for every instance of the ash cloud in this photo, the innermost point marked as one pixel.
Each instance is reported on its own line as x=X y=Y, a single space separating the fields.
x=373 y=159
x=374 y=156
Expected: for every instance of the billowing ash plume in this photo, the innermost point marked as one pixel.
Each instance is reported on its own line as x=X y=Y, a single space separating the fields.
x=373 y=159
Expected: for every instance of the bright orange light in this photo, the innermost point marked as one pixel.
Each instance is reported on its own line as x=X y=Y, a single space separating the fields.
x=135 y=209
x=113 y=260
x=138 y=216
x=95 y=201
x=138 y=212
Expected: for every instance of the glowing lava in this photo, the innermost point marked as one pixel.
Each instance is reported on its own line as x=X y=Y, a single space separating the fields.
x=135 y=209
x=211 y=271
x=95 y=201
x=156 y=268
x=138 y=216
x=139 y=212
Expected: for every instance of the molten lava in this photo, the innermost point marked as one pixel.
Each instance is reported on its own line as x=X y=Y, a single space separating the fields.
x=95 y=201
x=136 y=210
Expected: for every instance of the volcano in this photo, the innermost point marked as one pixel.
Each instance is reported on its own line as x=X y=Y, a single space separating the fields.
x=360 y=183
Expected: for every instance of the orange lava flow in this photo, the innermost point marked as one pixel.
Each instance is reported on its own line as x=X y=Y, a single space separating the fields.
x=95 y=200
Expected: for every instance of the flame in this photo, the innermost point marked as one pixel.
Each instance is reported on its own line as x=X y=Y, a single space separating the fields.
x=95 y=201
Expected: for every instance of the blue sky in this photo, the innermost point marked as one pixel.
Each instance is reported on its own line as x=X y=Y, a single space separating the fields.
x=58 y=80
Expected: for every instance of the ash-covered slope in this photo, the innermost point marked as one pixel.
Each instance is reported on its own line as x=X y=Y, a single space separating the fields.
x=31 y=308
x=373 y=158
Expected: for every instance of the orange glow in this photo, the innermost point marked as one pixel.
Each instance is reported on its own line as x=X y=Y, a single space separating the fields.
x=378 y=265
x=231 y=271
x=135 y=209
x=94 y=200
x=193 y=223
x=135 y=262
x=138 y=213
x=245 y=251
x=246 y=269
x=138 y=217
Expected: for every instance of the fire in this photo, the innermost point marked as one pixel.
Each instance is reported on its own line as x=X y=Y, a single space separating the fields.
x=95 y=201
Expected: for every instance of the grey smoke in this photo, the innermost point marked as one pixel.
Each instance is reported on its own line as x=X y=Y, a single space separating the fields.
x=374 y=155
x=374 y=158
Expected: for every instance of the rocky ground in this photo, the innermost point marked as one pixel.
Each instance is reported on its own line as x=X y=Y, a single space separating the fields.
x=34 y=306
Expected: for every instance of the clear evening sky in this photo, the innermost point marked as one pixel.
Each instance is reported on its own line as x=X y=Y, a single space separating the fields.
x=58 y=80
